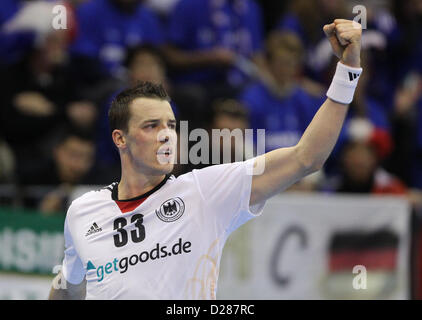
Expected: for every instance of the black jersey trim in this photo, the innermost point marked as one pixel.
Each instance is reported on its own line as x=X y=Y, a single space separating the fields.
x=115 y=191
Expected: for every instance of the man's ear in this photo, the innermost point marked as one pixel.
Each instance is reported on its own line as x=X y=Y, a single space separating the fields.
x=119 y=138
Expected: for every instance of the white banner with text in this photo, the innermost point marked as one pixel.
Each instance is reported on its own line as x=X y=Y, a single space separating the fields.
x=320 y=247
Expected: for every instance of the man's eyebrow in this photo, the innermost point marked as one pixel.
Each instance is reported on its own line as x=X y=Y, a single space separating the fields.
x=151 y=120
x=157 y=120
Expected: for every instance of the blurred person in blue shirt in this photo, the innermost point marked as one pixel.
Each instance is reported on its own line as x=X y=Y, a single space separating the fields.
x=24 y=25
x=206 y=39
x=381 y=36
x=13 y=43
x=282 y=107
x=306 y=18
x=285 y=107
x=106 y=28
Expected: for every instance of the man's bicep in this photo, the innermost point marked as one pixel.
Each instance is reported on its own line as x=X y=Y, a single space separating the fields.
x=275 y=171
x=225 y=191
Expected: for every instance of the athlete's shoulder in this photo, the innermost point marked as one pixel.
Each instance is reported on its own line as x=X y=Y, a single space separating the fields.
x=210 y=173
x=92 y=197
x=183 y=181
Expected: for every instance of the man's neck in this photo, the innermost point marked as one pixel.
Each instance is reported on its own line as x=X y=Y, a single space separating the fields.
x=134 y=185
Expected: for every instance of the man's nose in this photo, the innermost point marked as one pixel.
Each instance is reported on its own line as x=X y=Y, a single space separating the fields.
x=164 y=135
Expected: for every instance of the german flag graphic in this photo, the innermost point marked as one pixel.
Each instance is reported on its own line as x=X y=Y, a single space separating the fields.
x=375 y=252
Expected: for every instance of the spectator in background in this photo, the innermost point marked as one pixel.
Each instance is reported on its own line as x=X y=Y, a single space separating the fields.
x=22 y=24
x=281 y=107
x=361 y=172
x=391 y=27
x=39 y=94
x=377 y=41
x=147 y=63
x=71 y=159
x=306 y=19
x=71 y=163
x=365 y=105
x=106 y=28
x=407 y=51
x=208 y=39
x=406 y=159
x=228 y=115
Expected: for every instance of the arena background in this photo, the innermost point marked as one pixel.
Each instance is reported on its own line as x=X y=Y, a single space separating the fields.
x=350 y=231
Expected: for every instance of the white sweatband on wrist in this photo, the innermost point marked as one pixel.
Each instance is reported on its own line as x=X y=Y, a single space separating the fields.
x=344 y=83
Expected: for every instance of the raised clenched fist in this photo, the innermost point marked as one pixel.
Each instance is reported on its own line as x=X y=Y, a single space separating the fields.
x=345 y=39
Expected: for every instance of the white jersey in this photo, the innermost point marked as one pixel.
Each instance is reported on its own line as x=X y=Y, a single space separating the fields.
x=168 y=247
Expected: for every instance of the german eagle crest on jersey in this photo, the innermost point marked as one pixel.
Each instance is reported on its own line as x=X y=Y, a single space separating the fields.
x=171 y=210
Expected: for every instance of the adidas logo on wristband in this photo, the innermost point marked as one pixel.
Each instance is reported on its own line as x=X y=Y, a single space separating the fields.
x=344 y=83
x=353 y=76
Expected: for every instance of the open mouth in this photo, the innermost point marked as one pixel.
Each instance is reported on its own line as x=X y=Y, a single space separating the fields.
x=165 y=156
x=166 y=152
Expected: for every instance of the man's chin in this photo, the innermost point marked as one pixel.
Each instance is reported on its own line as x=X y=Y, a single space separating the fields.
x=163 y=168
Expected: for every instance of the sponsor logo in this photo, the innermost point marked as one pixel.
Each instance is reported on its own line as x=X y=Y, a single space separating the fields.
x=123 y=264
x=353 y=76
x=171 y=210
x=94 y=229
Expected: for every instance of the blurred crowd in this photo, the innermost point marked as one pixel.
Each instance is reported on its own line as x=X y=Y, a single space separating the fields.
x=226 y=64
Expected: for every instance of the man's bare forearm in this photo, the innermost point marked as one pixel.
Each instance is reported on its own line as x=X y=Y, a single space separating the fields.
x=322 y=133
x=285 y=166
x=320 y=137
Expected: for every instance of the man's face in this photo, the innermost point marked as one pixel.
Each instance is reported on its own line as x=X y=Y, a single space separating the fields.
x=151 y=138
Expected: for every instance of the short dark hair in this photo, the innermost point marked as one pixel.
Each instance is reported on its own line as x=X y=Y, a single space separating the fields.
x=119 y=112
